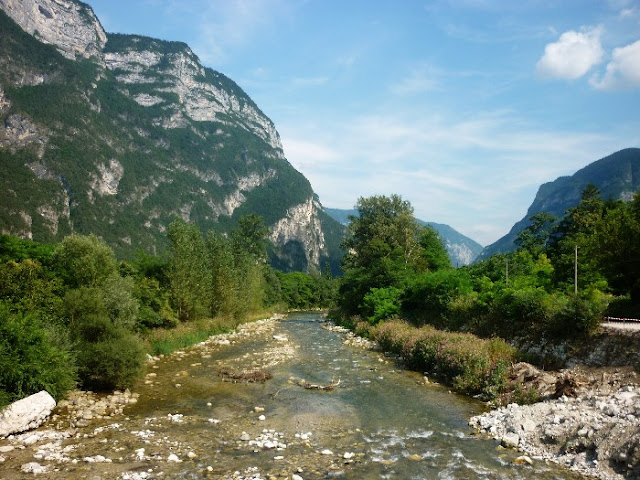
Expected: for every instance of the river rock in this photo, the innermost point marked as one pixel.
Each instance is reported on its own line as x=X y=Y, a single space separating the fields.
x=510 y=440
x=26 y=414
x=33 y=467
x=523 y=460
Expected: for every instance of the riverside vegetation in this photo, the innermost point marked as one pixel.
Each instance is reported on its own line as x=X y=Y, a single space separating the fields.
x=400 y=289
x=72 y=314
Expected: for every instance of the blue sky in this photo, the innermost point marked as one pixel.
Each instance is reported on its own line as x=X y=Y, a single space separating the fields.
x=463 y=107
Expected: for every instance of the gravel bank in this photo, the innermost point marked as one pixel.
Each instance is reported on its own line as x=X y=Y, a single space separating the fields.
x=596 y=431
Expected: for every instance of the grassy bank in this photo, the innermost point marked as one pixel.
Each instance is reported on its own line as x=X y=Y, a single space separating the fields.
x=469 y=364
x=164 y=341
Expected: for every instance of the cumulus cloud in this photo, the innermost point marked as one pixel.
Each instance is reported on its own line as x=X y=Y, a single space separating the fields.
x=572 y=56
x=623 y=71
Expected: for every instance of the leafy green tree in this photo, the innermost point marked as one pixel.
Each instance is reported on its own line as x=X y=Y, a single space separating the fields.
x=578 y=229
x=433 y=254
x=188 y=273
x=222 y=290
x=382 y=248
x=536 y=236
x=84 y=260
x=250 y=237
x=382 y=304
x=617 y=248
x=33 y=356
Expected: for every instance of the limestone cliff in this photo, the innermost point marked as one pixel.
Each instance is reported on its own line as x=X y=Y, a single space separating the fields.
x=120 y=134
x=70 y=26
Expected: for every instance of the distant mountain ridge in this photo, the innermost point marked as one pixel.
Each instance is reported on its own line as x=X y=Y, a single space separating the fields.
x=462 y=250
x=118 y=135
x=617 y=176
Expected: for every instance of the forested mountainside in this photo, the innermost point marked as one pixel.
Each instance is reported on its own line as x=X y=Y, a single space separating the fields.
x=462 y=250
x=616 y=176
x=118 y=135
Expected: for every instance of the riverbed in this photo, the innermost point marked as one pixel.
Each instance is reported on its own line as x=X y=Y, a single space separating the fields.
x=311 y=406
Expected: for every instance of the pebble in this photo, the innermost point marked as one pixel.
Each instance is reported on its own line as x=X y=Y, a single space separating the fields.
x=523 y=460
x=326 y=452
x=262 y=418
x=173 y=458
x=33 y=467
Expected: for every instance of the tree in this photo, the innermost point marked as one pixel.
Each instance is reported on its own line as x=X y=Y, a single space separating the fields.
x=536 y=236
x=84 y=261
x=382 y=248
x=578 y=229
x=433 y=254
x=250 y=237
x=188 y=273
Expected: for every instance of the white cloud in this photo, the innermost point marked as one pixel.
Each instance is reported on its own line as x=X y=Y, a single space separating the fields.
x=226 y=24
x=572 y=56
x=623 y=71
x=420 y=79
x=477 y=175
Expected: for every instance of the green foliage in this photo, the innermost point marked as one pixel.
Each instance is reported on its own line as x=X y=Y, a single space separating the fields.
x=33 y=357
x=188 y=273
x=433 y=255
x=385 y=247
x=381 y=304
x=471 y=365
x=84 y=261
x=428 y=296
x=109 y=354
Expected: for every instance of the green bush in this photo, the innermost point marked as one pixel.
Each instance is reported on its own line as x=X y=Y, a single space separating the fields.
x=581 y=314
x=109 y=354
x=470 y=364
x=113 y=362
x=381 y=304
x=32 y=357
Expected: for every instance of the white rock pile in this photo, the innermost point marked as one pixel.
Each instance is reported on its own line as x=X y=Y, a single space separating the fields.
x=595 y=434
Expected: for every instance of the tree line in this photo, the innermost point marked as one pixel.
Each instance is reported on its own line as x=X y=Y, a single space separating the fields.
x=72 y=314
x=396 y=270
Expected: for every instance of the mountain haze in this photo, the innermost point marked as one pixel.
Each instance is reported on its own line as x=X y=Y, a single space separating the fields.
x=617 y=176
x=120 y=134
x=461 y=249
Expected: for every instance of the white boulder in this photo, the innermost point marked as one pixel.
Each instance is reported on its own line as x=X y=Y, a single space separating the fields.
x=26 y=414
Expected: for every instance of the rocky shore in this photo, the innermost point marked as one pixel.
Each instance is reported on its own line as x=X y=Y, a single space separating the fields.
x=592 y=428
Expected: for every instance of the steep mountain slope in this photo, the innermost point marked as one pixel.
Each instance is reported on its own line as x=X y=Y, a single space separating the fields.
x=461 y=249
x=617 y=176
x=120 y=134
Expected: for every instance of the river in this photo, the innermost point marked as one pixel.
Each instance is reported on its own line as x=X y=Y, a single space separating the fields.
x=380 y=421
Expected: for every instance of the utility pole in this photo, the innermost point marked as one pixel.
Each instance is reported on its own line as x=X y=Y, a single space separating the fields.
x=575 y=272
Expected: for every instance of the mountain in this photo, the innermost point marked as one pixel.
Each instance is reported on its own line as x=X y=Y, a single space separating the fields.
x=118 y=135
x=461 y=249
x=617 y=176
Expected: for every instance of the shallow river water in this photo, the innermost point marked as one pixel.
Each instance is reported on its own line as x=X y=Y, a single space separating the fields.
x=380 y=421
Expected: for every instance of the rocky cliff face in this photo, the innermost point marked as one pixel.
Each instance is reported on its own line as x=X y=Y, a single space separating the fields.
x=70 y=26
x=140 y=134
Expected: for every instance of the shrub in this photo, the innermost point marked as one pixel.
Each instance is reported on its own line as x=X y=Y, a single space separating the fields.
x=113 y=362
x=32 y=357
x=382 y=303
x=109 y=354
x=470 y=364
